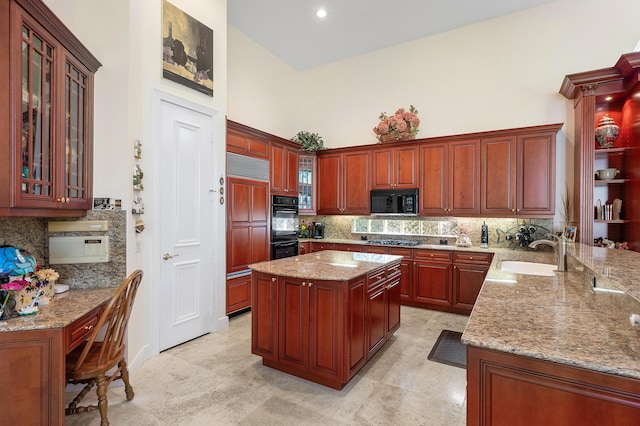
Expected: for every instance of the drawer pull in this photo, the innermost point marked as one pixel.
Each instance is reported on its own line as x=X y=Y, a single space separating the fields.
x=304 y=284
x=88 y=327
x=273 y=279
x=310 y=284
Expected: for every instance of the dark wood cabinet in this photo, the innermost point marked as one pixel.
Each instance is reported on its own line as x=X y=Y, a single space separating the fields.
x=344 y=182
x=613 y=91
x=307 y=184
x=321 y=245
x=238 y=293
x=47 y=94
x=507 y=389
x=264 y=316
x=394 y=167
x=284 y=169
x=449 y=178
x=304 y=247
x=469 y=271
x=432 y=278
x=244 y=140
x=248 y=225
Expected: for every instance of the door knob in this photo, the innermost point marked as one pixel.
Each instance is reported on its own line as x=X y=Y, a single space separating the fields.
x=168 y=256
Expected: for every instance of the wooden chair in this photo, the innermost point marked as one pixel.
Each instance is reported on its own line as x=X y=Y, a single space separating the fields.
x=91 y=364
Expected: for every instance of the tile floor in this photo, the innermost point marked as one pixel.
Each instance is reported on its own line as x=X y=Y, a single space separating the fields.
x=215 y=380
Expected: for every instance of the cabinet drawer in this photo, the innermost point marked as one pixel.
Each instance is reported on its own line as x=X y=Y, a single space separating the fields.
x=79 y=330
x=436 y=255
x=406 y=252
x=393 y=271
x=376 y=278
x=472 y=257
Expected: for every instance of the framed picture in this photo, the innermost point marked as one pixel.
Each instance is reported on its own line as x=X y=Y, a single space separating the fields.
x=187 y=50
x=569 y=233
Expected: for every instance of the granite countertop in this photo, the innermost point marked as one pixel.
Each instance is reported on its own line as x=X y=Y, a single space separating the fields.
x=365 y=243
x=561 y=318
x=61 y=311
x=326 y=265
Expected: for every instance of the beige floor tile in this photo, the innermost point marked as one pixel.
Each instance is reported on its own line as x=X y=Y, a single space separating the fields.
x=215 y=380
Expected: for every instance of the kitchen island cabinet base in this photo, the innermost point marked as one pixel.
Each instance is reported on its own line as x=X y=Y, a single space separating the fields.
x=509 y=389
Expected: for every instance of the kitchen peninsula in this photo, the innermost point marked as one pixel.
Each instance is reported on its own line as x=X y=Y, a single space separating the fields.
x=322 y=316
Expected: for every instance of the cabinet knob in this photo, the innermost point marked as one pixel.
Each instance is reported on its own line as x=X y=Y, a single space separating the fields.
x=310 y=284
x=273 y=279
x=304 y=284
x=513 y=210
x=89 y=327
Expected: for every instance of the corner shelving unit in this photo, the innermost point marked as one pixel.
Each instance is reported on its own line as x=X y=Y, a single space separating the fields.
x=614 y=91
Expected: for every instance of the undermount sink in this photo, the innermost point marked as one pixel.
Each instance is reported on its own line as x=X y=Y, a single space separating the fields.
x=528 y=268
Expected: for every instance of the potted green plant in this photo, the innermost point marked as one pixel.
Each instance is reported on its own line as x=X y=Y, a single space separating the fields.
x=310 y=141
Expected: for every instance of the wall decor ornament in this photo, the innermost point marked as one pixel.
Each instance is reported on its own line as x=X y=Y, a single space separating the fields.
x=607 y=132
x=187 y=50
x=403 y=125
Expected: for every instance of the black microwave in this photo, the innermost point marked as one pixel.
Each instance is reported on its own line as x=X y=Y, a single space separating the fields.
x=400 y=202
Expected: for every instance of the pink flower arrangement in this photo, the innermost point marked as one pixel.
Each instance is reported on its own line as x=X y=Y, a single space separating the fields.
x=399 y=125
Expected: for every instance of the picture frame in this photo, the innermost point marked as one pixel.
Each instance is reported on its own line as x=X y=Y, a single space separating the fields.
x=569 y=233
x=187 y=50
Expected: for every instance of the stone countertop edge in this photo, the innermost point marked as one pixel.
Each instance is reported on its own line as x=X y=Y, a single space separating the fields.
x=329 y=265
x=561 y=318
x=62 y=310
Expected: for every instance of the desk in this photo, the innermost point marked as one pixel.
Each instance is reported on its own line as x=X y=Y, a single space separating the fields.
x=32 y=355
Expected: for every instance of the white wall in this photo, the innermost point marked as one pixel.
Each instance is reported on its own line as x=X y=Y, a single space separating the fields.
x=125 y=35
x=497 y=74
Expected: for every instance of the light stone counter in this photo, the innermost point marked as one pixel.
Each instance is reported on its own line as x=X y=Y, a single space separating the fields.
x=326 y=265
x=561 y=318
x=63 y=309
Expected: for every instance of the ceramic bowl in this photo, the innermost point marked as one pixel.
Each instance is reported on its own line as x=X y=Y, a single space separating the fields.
x=606 y=174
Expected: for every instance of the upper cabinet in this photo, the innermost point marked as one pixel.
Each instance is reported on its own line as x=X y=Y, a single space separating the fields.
x=343 y=182
x=614 y=92
x=307 y=186
x=46 y=94
x=244 y=140
x=518 y=173
x=394 y=168
x=284 y=169
x=449 y=178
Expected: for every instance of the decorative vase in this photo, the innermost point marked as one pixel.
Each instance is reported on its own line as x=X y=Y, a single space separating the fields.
x=397 y=136
x=607 y=132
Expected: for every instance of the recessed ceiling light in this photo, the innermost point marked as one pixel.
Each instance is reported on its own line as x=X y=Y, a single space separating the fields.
x=608 y=98
x=321 y=13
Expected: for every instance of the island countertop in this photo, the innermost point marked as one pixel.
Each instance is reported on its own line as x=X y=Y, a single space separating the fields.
x=63 y=310
x=326 y=265
x=561 y=318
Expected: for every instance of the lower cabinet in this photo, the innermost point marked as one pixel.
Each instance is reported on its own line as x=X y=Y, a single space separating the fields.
x=238 y=293
x=319 y=246
x=447 y=280
x=304 y=247
x=513 y=390
x=320 y=330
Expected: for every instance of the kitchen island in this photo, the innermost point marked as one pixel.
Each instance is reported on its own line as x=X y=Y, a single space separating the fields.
x=322 y=316
x=554 y=350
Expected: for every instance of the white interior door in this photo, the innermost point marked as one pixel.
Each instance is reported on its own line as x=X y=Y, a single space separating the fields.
x=186 y=265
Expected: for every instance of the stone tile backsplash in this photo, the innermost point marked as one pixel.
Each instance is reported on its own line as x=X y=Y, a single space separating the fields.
x=31 y=234
x=340 y=227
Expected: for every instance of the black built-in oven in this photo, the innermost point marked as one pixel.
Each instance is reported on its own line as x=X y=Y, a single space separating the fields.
x=284 y=226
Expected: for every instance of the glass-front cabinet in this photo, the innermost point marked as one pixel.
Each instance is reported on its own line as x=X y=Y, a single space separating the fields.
x=51 y=126
x=306 y=184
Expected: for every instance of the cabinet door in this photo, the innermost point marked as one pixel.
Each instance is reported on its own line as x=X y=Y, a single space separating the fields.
x=238 y=293
x=464 y=183
x=434 y=179
x=432 y=283
x=376 y=320
x=329 y=184
x=393 y=305
x=405 y=167
x=356 y=351
x=498 y=184
x=325 y=322
x=307 y=184
x=536 y=174
x=467 y=282
x=247 y=228
x=244 y=144
x=294 y=322
x=264 y=316
x=382 y=169
x=284 y=170
x=356 y=184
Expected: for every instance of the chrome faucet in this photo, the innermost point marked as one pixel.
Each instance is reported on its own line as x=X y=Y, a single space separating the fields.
x=560 y=247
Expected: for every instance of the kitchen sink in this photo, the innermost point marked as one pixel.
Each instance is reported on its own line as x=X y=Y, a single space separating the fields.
x=528 y=268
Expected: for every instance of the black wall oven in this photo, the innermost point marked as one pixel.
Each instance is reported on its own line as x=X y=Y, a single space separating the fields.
x=284 y=226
